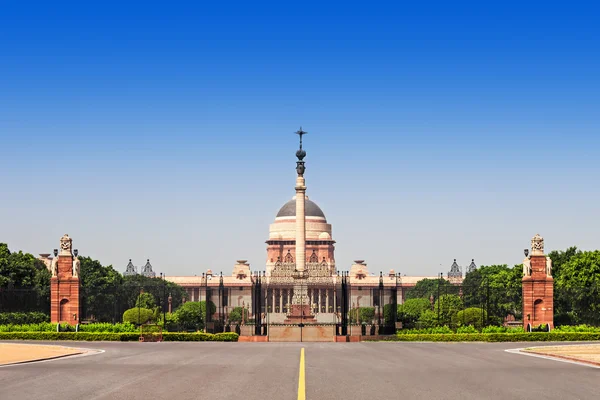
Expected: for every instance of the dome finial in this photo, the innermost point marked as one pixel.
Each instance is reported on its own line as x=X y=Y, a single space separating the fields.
x=300 y=168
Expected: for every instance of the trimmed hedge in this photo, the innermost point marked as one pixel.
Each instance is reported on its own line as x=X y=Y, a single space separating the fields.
x=497 y=337
x=23 y=318
x=116 y=337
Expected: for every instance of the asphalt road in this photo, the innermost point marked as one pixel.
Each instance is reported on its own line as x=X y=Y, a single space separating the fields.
x=270 y=371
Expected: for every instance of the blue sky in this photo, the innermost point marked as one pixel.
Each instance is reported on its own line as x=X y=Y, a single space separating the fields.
x=166 y=131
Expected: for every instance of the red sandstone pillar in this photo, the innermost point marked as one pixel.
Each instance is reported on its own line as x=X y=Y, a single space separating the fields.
x=64 y=285
x=538 y=287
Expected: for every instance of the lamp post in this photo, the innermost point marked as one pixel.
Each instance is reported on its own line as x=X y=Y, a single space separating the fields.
x=380 y=299
x=164 y=298
x=439 y=300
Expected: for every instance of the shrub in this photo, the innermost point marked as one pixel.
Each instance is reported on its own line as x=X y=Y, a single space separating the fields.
x=190 y=315
x=87 y=336
x=227 y=337
x=41 y=327
x=577 y=328
x=365 y=315
x=441 y=330
x=470 y=316
x=467 y=329
x=123 y=337
x=106 y=327
x=236 y=314
x=497 y=337
x=138 y=316
x=23 y=318
x=411 y=310
x=428 y=319
x=449 y=305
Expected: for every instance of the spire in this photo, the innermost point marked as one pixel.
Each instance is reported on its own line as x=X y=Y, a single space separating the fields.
x=300 y=168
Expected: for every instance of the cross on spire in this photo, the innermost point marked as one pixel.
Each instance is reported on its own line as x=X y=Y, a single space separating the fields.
x=300 y=133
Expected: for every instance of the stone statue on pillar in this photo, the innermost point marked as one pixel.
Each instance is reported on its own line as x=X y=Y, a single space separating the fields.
x=54 y=267
x=527 y=266
x=76 y=267
x=548 y=266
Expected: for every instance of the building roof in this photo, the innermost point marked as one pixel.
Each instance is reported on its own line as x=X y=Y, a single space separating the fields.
x=311 y=209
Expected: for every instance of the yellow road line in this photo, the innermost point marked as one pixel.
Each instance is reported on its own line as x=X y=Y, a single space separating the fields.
x=301 y=379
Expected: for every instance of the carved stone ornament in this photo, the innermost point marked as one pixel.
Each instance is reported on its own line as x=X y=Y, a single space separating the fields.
x=66 y=243
x=537 y=245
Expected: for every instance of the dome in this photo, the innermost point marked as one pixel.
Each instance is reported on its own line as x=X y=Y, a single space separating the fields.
x=311 y=209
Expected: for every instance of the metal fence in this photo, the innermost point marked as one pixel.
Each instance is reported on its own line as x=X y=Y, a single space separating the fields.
x=349 y=307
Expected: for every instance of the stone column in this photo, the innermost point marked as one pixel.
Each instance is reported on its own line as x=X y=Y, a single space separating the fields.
x=64 y=285
x=280 y=300
x=538 y=287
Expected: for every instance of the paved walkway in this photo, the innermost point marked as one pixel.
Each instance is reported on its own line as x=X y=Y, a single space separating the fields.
x=583 y=353
x=11 y=353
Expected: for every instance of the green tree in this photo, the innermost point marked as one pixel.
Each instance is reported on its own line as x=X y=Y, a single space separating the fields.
x=99 y=291
x=190 y=315
x=138 y=316
x=496 y=288
x=145 y=300
x=427 y=319
x=563 y=305
x=235 y=316
x=27 y=281
x=471 y=316
x=447 y=306
x=425 y=288
x=161 y=289
x=579 y=283
x=411 y=310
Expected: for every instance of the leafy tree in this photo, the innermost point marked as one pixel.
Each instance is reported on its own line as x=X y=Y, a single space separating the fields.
x=138 y=316
x=411 y=310
x=19 y=270
x=190 y=315
x=235 y=315
x=448 y=305
x=471 y=316
x=132 y=285
x=563 y=313
x=27 y=281
x=145 y=300
x=99 y=291
x=425 y=288
x=579 y=282
x=428 y=319
x=496 y=288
